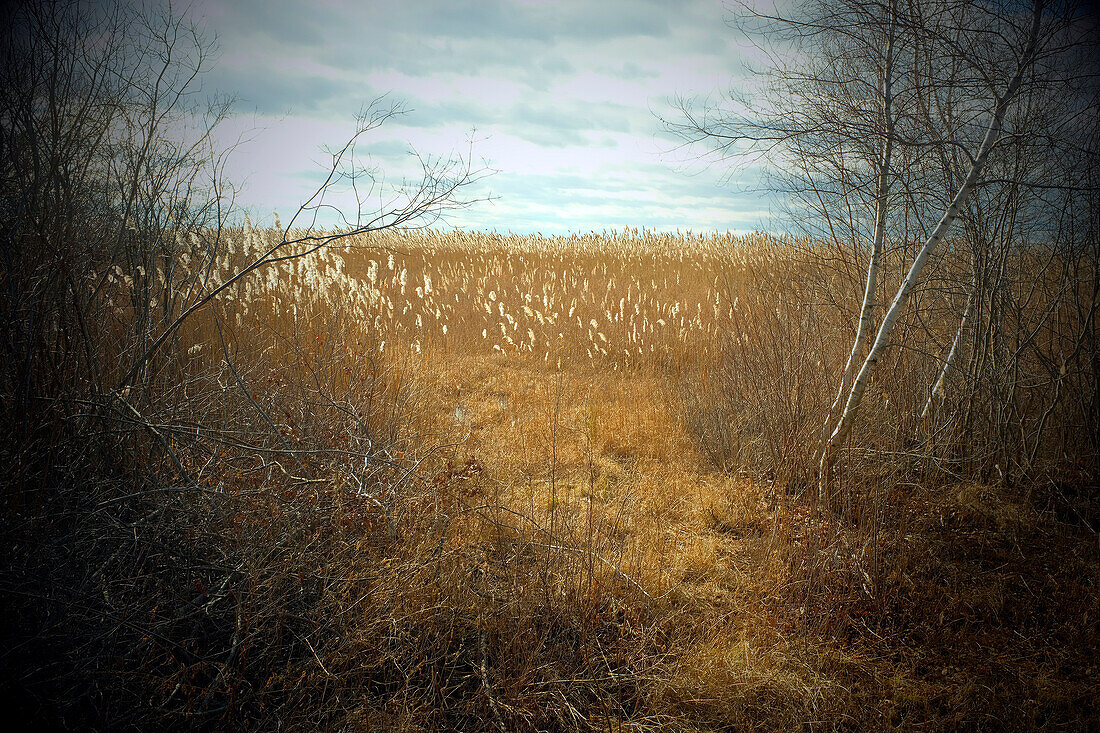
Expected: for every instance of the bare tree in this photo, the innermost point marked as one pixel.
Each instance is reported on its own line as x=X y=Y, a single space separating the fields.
x=120 y=247
x=977 y=163
x=880 y=118
x=440 y=189
x=109 y=166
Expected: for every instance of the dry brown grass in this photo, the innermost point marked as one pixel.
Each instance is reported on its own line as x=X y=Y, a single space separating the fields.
x=529 y=522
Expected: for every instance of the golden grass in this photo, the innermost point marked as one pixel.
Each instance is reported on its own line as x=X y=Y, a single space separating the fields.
x=583 y=506
x=567 y=372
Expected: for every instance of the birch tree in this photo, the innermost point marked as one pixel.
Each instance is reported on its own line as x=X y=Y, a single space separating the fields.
x=882 y=338
x=885 y=123
x=881 y=202
x=1042 y=162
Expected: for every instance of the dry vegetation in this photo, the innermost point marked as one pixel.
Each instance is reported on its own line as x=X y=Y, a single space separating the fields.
x=436 y=481
x=393 y=478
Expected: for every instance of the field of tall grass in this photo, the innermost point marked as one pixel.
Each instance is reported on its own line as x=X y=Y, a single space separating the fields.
x=473 y=481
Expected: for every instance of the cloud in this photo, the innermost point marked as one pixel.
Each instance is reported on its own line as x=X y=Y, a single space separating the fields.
x=644 y=195
x=569 y=116
x=498 y=20
x=631 y=71
x=272 y=94
x=426 y=112
x=480 y=19
x=557 y=95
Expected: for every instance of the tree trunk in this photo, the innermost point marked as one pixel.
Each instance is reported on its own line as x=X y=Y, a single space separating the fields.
x=882 y=192
x=882 y=338
x=938 y=391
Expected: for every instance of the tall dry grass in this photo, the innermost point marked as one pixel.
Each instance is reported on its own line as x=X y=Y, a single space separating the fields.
x=492 y=482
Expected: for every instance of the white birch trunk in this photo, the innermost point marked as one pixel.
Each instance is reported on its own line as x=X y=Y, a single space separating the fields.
x=939 y=389
x=882 y=338
x=882 y=191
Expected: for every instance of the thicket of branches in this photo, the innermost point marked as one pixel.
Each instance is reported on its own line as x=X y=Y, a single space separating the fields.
x=217 y=508
x=192 y=501
x=944 y=154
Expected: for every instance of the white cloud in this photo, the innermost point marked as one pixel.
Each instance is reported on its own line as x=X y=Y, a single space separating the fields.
x=558 y=96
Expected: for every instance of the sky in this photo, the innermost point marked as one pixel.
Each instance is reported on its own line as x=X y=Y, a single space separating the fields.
x=559 y=98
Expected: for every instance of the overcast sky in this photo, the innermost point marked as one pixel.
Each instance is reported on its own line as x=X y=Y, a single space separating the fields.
x=557 y=96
